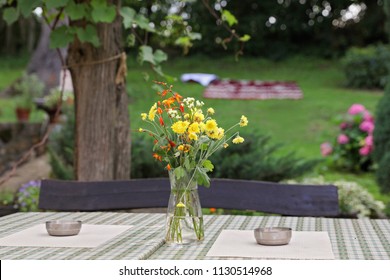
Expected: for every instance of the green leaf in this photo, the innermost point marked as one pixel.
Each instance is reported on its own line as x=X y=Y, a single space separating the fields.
x=130 y=40
x=54 y=4
x=202 y=177
x=179 y=172
x=61 y=37
x=143 y=23
x=76 y=11
x=245 y=38
x=229 y=18
x=10 y=15
x=146 y=54
x=27 y=6
x=208 y=165
x=128 y=15
x=88 y=34
x=160 y=56
x=102 y=12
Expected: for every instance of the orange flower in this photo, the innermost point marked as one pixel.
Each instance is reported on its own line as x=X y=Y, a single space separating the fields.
x=168 y=167
x=159 y=110
x=213 y=210
x=181 y=107
x=161 y=121
x=168 y=102
x=157 y=157
x=171 y=143
x=178 y=97
x=164 y=92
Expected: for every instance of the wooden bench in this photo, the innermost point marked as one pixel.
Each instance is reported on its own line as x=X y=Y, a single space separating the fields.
x=285 y=199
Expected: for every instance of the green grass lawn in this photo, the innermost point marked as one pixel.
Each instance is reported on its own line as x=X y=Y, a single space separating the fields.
x=301 y=125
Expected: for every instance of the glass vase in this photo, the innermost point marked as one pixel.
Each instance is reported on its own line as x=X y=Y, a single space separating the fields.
x=184 y=221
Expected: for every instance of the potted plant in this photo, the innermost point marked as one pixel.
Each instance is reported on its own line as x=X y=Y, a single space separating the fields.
x=30 y=86
x=50 y=102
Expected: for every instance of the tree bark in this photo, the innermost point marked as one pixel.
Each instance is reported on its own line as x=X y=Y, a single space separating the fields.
x=102 y=120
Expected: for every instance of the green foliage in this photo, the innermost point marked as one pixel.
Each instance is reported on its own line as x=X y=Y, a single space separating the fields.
x=382 y=141
x=143 y=165
x=7 y=198
x=354 y=200
x=61 y=149
x=28 y=88
x=27 y=197
x=367 y=67
x=383 y=173
x=258 y=159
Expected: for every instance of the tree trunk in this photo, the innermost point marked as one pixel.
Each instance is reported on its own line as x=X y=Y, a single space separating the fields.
x=102 y=120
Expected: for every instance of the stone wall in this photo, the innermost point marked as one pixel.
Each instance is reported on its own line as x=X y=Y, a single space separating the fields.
x=15 y=140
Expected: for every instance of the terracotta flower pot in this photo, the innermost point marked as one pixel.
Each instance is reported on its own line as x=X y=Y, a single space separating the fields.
x=23 y=114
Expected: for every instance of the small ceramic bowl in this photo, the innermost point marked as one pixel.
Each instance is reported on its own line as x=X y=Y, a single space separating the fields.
x=63 y=227
x=273 y=235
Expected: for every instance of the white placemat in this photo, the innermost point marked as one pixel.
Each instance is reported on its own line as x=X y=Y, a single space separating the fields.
x=90 y=236
x=242 y=243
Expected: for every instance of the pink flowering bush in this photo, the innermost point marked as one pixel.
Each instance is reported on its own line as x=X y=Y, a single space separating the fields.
x=353 y=146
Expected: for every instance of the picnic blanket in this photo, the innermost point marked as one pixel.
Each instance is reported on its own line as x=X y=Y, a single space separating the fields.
x=243 y=89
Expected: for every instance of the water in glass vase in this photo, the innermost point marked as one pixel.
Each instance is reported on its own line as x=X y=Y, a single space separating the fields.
x=184 y=223
x=184 y=230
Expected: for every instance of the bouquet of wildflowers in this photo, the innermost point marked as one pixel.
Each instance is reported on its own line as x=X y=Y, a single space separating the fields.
x=352 y=149
x=185 y=135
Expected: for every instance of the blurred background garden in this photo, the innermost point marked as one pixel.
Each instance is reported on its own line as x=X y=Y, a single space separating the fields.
x=335 y=51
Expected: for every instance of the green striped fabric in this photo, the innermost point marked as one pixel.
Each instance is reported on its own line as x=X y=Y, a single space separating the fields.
x=351 y=238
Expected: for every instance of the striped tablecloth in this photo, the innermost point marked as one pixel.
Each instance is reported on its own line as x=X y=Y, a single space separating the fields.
x=350 y=238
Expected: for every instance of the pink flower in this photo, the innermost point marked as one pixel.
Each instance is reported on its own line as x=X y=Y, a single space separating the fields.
x=367 y=126
x=356 y=109
x=368 y=117
x=369 y=141
x=365 y=150
x=342 y=139
x=344 y=125
x=326 y=149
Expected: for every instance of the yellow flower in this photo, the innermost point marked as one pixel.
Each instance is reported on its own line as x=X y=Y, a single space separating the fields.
x=193 y=136
x=194 y=127
x=180 y=127
x=221 y=133
x=198 y=117
x=152 y=112
x=243 y=121
x=202 y=126
x=144 y=116
x=210 y=111
x=225 y=145
x=238 y=140
x=184 y=148
x=140 y=130
x=180 y=205
x=211 y=125
x=213 y=134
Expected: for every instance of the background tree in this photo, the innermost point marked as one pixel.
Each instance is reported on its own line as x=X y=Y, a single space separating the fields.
x=98 y=68
x=382 y=128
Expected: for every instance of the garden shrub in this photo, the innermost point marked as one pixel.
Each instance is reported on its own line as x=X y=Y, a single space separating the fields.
x=354 y=200
x=352 y=150
x=383 y=173
x=258 y=159
x=61 y=148
x=367 y=67
x=382 y=141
